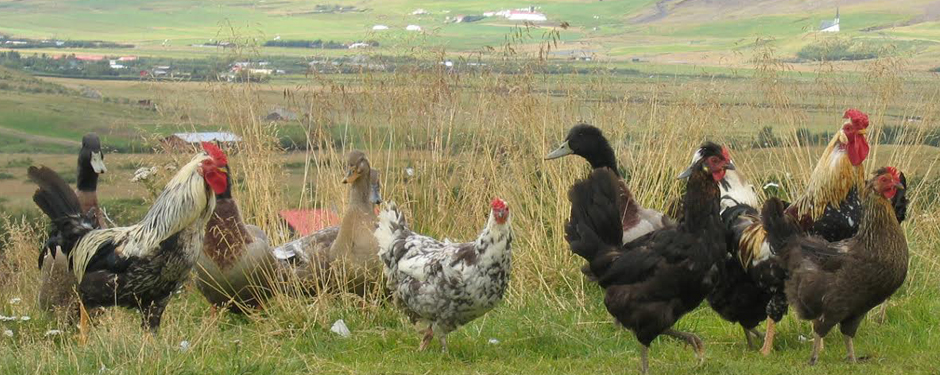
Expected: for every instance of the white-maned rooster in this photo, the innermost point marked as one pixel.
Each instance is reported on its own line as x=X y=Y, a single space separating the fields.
x=441 y=284
x=139 y=266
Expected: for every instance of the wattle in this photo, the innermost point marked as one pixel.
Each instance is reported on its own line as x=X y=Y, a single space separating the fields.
x=857 y=149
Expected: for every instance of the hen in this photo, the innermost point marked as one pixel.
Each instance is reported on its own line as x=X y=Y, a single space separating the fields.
x=139 y=266
x=651 y=282
x=834 y=283
x=236 y=265
x=445 y=285
x=589 y=143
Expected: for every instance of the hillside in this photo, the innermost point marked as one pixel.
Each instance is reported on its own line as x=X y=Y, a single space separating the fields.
x=670 y=31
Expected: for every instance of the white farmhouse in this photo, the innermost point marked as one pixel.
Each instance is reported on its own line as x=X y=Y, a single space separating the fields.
x=830 y=26
x=518 y=15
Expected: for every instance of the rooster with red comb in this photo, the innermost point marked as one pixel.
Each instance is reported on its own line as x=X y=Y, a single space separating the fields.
x=138 y=266
x=829 y=207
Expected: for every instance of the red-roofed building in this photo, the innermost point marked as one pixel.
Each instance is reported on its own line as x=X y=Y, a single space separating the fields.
x=304 y=222
x=89 y=57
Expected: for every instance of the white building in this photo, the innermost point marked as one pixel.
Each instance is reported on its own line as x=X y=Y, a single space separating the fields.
x=830 y=26
x=517 y=15
x=359 y=45
x=379 y=27
x=419 y=12
x=413 y=28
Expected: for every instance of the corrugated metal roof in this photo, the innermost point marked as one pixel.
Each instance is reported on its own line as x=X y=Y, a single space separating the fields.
x=208 y=137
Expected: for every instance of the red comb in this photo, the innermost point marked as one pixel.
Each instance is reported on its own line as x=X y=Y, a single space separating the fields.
x=725 y=153
x=498 y=204
x=859 y=119
x=894 y=173
x=215 y=152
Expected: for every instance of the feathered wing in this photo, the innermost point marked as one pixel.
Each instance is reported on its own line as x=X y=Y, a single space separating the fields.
x=594 y=228
x=899 y=202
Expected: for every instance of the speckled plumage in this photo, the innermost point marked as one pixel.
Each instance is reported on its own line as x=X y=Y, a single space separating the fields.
x=443 y=284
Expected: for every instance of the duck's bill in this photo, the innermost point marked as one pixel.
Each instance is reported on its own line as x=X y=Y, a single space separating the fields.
x=97 y=163
x=562 y=150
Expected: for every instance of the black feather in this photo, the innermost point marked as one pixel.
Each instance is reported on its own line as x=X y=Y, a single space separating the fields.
x=58 y=201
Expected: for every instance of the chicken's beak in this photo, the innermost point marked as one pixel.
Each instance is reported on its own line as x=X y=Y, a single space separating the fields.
x=351 y=176
x=842 y=137
x=729 y=166
x=97 y=163
x=562 y=150
x=899 y=186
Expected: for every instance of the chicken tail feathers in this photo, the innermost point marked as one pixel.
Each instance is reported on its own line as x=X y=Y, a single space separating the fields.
x=58 y=201
x=392 y=226
x=780 y=227
x=595 y=225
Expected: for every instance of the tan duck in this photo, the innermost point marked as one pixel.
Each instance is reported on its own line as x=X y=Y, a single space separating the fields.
x=236 y=263
x=57 y=286
x=341 y=257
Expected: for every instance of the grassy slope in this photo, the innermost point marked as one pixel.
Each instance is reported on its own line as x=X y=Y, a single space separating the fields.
x=148 y=23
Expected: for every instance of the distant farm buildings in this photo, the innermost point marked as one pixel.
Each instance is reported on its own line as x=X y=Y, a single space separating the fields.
x=830 y=26
x=521 y=14
x=413 y=28
x=186 y=141
x=379 y=27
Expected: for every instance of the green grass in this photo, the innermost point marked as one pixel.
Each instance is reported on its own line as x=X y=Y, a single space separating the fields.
x=535 y=335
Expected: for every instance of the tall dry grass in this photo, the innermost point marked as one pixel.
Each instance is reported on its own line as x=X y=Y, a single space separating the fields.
x=470 y=136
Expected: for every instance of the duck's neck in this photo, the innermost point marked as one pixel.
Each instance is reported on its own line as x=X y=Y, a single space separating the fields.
x=603 y=156
x=359 y=195
x=87 y=179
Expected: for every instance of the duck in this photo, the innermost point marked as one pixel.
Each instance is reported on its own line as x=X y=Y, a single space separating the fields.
x=57 y=283
x=589 y=142
x=346 y=252
x=236 y=266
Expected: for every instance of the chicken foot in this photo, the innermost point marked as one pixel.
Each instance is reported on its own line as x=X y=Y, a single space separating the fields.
x=697 y=345
x=850 y=350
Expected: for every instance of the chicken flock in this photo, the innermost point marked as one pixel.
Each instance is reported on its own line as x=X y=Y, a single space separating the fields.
x=833 y=254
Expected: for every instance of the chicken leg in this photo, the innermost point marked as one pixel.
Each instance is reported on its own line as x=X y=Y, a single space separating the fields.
x=817 y=347
x=769 y=337
x=697 y=345
x=82 y=324
x=749 y=335
x=428 y=335
x=443 y=339
x=850 y=350
x=644 y=360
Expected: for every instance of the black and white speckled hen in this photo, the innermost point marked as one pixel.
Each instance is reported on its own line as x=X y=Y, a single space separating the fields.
x=837 y=283
x=589 y=143
x=445 y=285
x=651 y=282
x=138 y=266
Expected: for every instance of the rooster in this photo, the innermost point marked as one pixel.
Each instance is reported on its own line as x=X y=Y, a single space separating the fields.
x=829 y=208
x=651 y=282
x=444 y=285
x=834 y=283
x=139 y=266
x=589 y=143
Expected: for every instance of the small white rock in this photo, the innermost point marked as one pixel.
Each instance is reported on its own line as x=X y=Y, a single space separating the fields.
x=493 y=341
x=4 y=318
x=8 y=333
x=53 y=332
x=24 y=318
x=184 y=346
x=15 y=300
x=339 y=328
